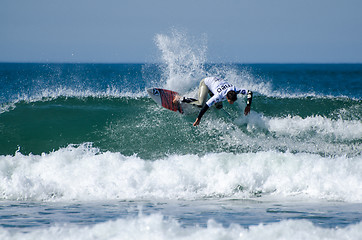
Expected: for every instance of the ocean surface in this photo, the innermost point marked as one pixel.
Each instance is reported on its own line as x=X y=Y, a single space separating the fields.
x=86 y=154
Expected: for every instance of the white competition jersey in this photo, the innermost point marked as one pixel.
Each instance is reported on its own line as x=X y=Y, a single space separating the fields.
x=220 y=88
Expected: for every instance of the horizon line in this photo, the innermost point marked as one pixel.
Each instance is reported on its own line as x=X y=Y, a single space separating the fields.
x=140 y=63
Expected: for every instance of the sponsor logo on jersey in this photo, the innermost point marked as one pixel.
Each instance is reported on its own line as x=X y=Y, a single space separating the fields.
x=223 y=87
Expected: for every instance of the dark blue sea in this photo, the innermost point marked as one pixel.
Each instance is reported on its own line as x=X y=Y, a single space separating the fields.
x=86 y=154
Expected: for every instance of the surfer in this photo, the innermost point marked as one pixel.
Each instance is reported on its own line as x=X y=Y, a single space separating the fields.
x=219 y=91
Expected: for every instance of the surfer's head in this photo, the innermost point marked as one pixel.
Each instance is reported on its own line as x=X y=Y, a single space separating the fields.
x=231 y=96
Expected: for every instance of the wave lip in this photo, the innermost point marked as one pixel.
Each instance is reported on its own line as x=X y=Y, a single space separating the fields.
x=84 y=173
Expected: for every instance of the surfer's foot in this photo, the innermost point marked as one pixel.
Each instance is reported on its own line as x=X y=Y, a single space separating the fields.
x=176 y=99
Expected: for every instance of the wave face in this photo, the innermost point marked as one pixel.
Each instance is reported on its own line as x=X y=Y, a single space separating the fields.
x=126 y=125
x=92 y=103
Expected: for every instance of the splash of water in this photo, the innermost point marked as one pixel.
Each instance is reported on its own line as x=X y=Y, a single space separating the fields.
x=184 y=64
x=183 y=60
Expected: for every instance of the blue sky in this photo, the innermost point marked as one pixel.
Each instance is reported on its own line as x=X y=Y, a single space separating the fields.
x=244 y=31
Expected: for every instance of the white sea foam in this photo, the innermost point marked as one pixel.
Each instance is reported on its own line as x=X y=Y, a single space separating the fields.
x=78 y=93
x=84 y=173
x=5 y=107
x=315 y=126
x=156 y=226
x=340 y=129
x=256 y=132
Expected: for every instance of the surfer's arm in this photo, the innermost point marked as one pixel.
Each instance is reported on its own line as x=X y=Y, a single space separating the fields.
x=202 y=112
x=248 y=102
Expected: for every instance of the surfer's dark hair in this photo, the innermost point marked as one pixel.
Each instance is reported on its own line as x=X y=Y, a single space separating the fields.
x=231 y=95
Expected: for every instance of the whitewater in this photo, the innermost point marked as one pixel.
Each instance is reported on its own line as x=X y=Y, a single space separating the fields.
x=86 y=154
x=84 y=173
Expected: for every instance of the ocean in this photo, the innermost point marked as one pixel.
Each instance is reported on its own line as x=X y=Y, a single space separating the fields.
x=85 y=153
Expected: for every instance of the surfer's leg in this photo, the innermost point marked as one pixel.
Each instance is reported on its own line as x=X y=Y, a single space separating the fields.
x=203 y=91
x=202 y=94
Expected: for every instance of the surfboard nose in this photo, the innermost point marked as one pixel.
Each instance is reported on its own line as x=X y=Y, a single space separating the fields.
x=155 y=95
x=153 y=92
x=150 y=91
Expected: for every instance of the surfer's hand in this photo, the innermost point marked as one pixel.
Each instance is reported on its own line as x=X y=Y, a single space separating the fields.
x=197 y=122
x=247 y=110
